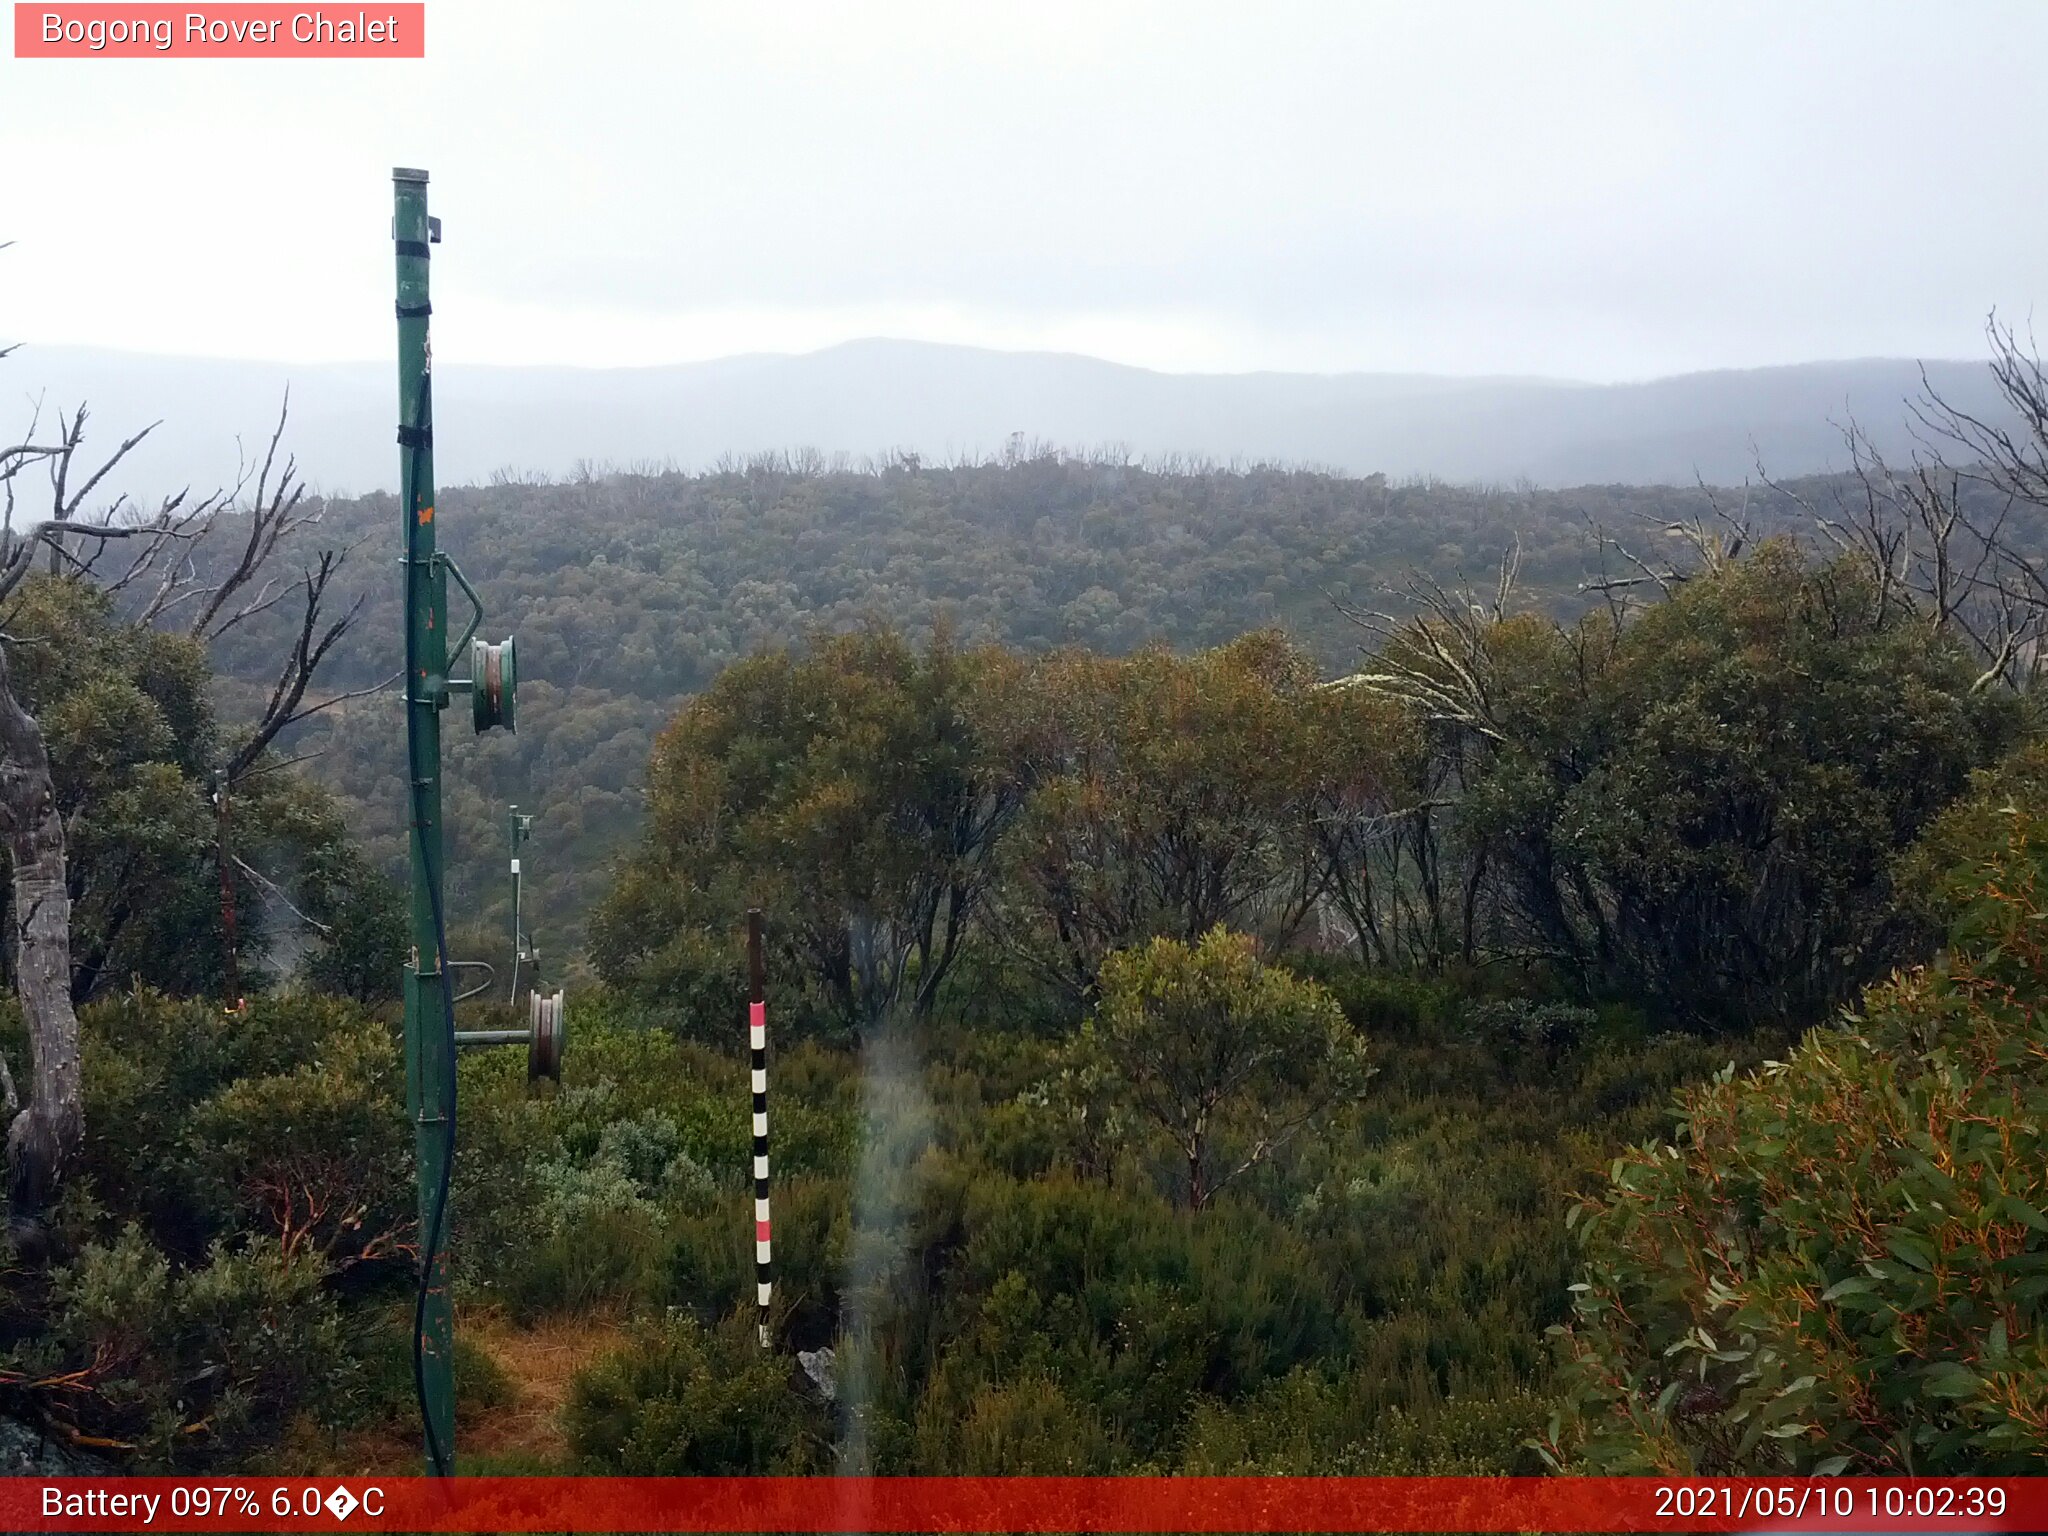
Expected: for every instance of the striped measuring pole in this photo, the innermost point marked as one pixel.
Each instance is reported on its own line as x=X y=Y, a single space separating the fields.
x=757 y=1051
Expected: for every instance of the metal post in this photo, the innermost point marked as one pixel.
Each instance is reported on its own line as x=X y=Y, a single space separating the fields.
x=757 y=1056
x=429 y=1052
x=517 y=826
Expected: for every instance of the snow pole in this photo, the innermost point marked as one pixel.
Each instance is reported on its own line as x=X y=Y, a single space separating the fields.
x=757 y=1050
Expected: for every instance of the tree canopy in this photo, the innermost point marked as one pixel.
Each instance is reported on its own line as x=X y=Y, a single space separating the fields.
x=1698 y=805
x=134 y=741
x=1841 y=1260
x=1229 y=1057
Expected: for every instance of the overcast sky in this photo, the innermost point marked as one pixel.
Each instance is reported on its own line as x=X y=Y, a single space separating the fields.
x=1600 y=191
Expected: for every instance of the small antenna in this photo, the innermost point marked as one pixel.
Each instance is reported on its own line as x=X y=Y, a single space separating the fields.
x=757 y=1050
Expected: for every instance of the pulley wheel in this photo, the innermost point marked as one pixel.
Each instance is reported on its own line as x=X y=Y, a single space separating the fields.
x=494 y=683
x=548 y=1028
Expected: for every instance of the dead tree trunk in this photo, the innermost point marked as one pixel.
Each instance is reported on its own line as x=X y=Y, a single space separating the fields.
x=47 y=1128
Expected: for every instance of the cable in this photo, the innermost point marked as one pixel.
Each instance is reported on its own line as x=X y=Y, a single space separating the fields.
x=430 y=1248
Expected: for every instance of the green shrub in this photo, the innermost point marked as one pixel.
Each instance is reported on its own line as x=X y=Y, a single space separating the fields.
x=1305 y=1424
x=162 y=1078
x=1026 y=1427
x=1938 y=876
x=633 y=1181
x=682 y=1400
x=1229 y=1058
x=504 y=1140
x=1131 y=1307
x=1841 y=1263
x=597 y=1223
x=1023 y=1138
x=1522 y=1029
x=232 y=1165
x=318 y=1158
x=710 y=1261
x=692 y=979
x=609 y=1259
x=186 y=1366
x=1700 y=807
x=1472 y=1436
x=1379 y=1003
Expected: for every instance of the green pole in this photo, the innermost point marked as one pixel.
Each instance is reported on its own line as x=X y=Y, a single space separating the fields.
x=429 y=1054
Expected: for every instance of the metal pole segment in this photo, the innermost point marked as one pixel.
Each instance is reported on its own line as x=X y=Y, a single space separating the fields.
x=429 y=1065
x=519 y=829
x=518 y=943
x=493 y=1036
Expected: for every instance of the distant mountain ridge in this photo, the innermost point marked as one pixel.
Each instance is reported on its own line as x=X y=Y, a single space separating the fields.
x=867 y=398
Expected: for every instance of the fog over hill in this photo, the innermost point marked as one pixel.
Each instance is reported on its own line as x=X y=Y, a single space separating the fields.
x=948 y=402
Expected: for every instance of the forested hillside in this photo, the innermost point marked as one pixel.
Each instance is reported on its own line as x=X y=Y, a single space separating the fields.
x=1231 y=980
x=630 y=592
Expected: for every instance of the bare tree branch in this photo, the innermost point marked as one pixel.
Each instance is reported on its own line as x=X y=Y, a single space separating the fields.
x=302 y=660
x=273 y=515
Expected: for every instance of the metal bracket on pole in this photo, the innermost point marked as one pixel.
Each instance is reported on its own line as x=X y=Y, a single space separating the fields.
x=476 y=604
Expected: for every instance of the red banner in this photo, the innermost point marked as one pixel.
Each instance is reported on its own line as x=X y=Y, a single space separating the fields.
x=382 y=29
x=936 y=1504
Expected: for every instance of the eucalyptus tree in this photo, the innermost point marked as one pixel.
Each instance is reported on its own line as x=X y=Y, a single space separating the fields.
x=155 y=572
x=1698 y=801
x=845 y=787
x=1174 y=793
x=1228 y=1057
